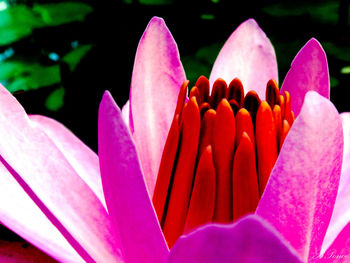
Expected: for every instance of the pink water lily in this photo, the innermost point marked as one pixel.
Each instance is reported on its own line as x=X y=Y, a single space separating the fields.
x=58 y=195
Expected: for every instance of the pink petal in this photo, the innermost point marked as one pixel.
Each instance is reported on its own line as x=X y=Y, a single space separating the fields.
x=126 y=114
x=299 y=197
x=19 y=213
x=48 y=178
x=339 y=251
x=341 y=212
x=127 y=199
x=249 y=55
x=156 y=80
x=19 y=252
x=250 y=239
x=308 y=71
x=82 y=158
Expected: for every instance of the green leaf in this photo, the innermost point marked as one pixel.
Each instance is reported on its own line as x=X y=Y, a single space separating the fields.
x=74 y=57
x=18 y=75
x=340 y=52
x=18 y=21
x=320 y=11
x=345 y=70
x=55 y=100
x=54 y=14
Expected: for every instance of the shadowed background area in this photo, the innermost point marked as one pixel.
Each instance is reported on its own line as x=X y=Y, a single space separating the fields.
x=58 y=57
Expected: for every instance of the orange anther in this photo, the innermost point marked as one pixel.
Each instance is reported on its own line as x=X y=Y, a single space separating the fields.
x=203 y=86
x=218 y=93
x=245 y=181
x=285 y=130
x=202 y=202
x=235 y=91
x=194 y=93
x=165 y=169
x=266 y=143
x=277 y=117
x=223 y=149
x=272 y=93
x=184 y=171
x=207 y=130
x=244 y=124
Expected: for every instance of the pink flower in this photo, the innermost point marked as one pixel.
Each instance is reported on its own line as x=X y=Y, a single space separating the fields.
x=59 y=196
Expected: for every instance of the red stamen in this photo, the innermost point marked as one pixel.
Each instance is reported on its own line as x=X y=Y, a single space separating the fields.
x=223 y=148
x=272 y=93
x=203 y=108
x=203 y=86
x=235 y=91
x=181 y=99
x=245 y=182
x=244 y=124
x=251 y=103
x=218 y=92
x=194 y=93
x=288 y=111
x=266 y=143
x=285 y=130
x=202 y=203
x=207 y=130
x=278 y=122
x=165 y=169
x=234 y=106
x=282 y=105
x=183 y=176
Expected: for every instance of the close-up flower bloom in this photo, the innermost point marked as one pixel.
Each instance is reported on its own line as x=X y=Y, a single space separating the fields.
x=242 y=172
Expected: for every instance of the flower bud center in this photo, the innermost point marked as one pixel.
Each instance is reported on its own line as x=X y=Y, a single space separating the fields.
x=219 y=154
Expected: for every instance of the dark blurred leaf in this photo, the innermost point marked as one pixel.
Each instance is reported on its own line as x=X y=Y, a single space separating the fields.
x=54 y=14
x=73 y=58
x=55 y=101
x=340 y=52
x=19 y=75
x=320 y=11
x=19 y=21
x=154 y=2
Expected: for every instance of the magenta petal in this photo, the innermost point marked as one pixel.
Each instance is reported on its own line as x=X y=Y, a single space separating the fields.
x=341 y=212
x=249 y=240
x=127 y=199
x=19 y=252
x=20 y=214
x=126 y=114
x=308 y=71
x=49 y=179
x=249 y=55
x=156 y=80
x=339 y=251
x=300 y=194
x=82 y=158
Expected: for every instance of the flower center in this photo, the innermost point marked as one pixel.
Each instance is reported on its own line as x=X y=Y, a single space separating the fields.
x=219 y=154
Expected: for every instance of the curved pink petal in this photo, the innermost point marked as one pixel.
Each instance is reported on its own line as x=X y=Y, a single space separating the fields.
x=341 y=212
x=19 y=252
x=49 y=179
x=126 y=113
x=248 y=55
x=82 y=158
x=127 y=199
x=156 y=80
x=308 y=71
x=19 y=213
x=339 y=251
x=300 y=194
x=249 y=240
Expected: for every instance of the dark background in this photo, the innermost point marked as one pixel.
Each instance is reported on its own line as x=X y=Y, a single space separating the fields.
x=58 y=57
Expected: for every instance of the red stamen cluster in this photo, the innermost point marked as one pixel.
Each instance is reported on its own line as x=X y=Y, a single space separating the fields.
x=219 y=154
